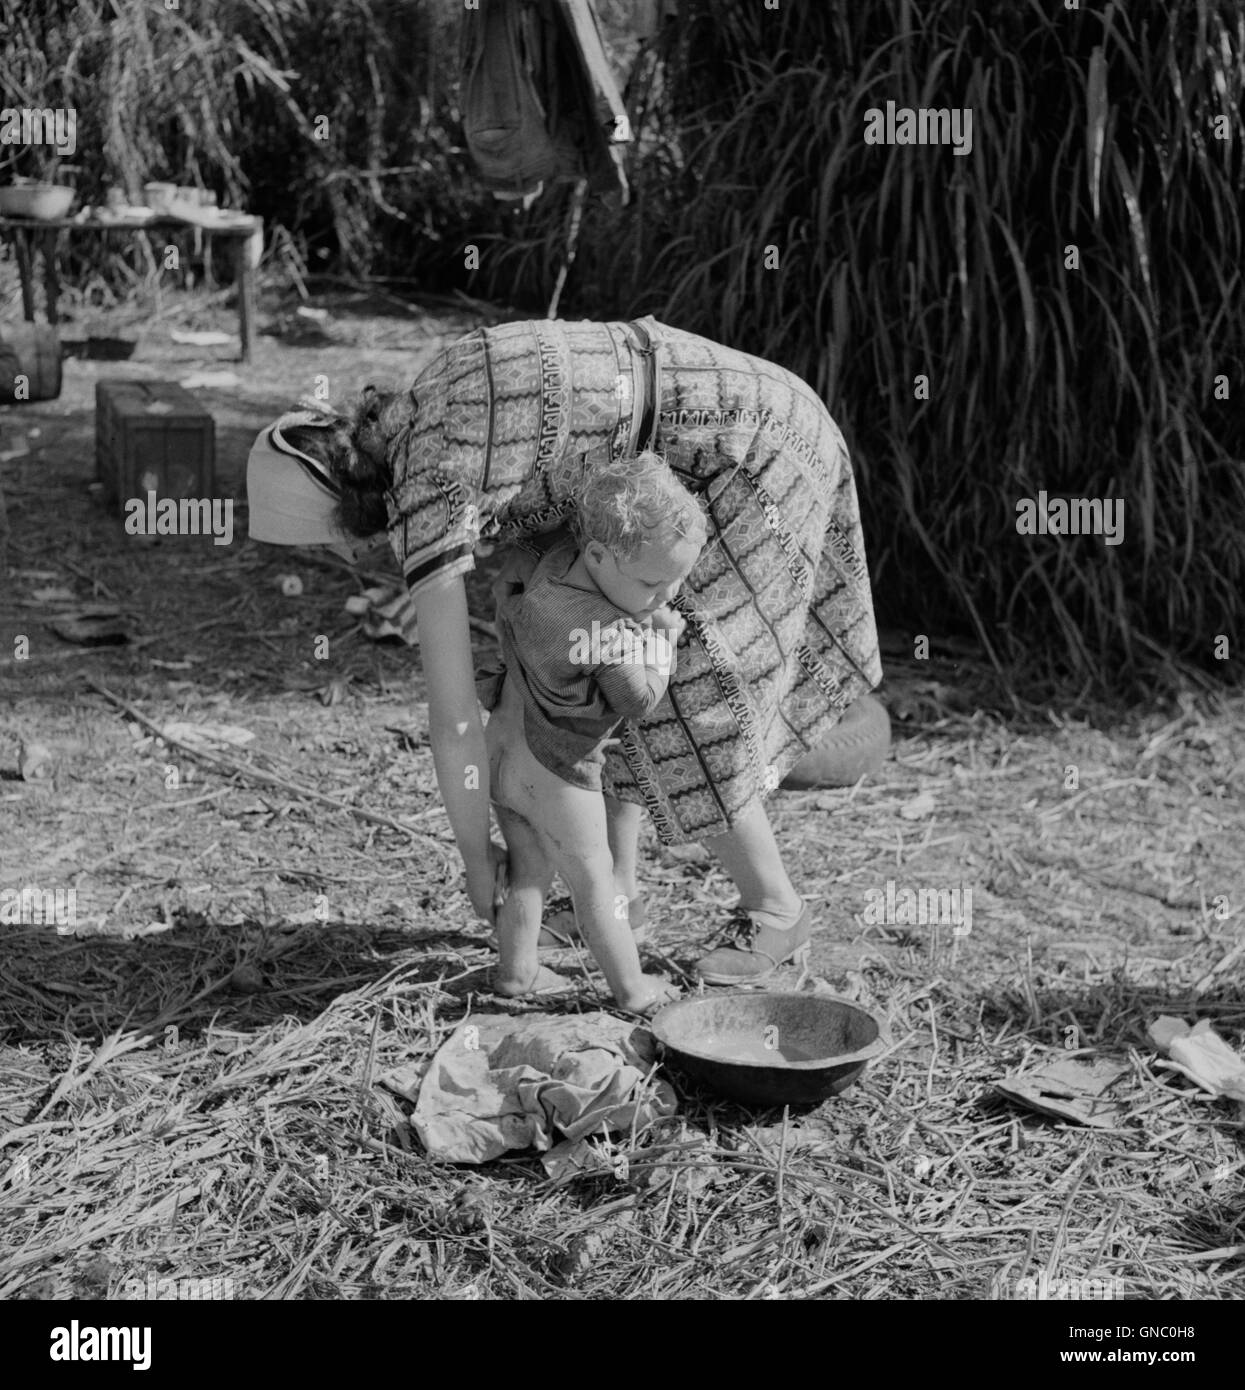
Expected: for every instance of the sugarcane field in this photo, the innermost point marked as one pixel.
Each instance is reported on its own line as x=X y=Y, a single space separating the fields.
x=621 y=668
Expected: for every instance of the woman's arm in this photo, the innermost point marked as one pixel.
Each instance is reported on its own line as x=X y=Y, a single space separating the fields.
x=456 y=732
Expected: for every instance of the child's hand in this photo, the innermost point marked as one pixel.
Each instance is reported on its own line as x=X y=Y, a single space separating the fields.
x=670 y=620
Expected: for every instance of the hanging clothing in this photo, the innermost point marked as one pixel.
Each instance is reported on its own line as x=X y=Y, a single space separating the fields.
x=539 y=100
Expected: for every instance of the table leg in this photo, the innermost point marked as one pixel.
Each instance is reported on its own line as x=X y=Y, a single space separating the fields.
x=51 y=279
x=244 y=280
x=21 y=248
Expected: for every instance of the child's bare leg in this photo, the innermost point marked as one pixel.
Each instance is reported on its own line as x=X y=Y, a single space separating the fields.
x=622 y=819
x=518 y=918
x=568 y=824
x=575 y=824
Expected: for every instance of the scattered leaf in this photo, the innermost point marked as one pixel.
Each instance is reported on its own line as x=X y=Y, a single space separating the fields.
x=34 y=760
x=204 y=735
x=919 y=807
x=335 y=691
x=470 y=1210
x=1069 y=1090
x=92 y=625
x=582 y=1252
x=219 y=381
x=209 y=338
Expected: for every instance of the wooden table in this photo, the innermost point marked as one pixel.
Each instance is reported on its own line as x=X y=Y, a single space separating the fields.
x=23 y=231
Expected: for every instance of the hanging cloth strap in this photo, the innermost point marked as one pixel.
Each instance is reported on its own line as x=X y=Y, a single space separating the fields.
x=646 y=371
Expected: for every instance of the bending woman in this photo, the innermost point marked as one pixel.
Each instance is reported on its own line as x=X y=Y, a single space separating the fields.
x=488 y=445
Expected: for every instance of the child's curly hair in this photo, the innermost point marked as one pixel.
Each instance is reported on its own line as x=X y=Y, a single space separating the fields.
x=623 y=503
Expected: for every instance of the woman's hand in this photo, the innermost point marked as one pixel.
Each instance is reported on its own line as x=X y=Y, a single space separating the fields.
x=487 y=881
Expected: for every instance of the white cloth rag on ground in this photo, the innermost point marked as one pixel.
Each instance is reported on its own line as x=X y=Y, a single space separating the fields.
x=1201 y=1054
x=501 y=1083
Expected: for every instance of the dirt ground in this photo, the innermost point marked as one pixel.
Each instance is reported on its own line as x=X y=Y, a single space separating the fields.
x=1104 y=856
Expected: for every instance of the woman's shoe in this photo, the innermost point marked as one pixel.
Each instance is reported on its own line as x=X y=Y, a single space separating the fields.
x=560 y=931
x=753 y=950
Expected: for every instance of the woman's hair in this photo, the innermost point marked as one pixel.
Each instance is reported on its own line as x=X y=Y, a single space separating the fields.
x=624 y=503
x=354 y=447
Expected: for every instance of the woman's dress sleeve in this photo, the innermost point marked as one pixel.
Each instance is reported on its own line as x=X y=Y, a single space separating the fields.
x=436 y=526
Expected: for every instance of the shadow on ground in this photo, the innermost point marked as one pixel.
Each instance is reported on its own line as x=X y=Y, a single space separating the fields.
x=199 y=976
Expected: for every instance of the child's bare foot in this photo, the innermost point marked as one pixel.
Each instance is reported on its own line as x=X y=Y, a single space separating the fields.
x=650 y=994
x=544 y=981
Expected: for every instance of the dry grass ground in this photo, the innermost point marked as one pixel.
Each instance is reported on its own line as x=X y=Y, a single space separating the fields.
x=163 y=1116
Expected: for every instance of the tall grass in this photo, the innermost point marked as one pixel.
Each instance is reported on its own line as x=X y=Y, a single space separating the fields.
x=1091 y=129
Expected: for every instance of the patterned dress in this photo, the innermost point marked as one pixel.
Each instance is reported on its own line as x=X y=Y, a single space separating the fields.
x=780 y=635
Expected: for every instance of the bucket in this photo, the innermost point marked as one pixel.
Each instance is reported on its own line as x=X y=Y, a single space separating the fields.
x=38 y=352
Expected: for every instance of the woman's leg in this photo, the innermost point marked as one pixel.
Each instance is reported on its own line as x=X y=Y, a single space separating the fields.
x=750 y=855
x=772 y=923
x=748 y=852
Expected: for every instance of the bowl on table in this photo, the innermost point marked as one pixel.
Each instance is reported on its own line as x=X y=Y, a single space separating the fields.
x=42 y=201
x=770 y=1049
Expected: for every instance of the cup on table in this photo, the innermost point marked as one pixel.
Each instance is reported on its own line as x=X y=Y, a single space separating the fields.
x=159 y=195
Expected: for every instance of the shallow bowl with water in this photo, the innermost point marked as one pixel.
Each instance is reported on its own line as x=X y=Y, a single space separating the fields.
x=770 y=1049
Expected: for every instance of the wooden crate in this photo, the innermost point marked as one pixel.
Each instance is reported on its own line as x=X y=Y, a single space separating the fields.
x=32 y=351
x=152 y=436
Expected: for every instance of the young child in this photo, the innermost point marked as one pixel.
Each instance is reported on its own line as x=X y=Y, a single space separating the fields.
x=589 y=642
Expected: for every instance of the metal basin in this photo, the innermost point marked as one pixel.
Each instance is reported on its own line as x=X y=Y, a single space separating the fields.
x=770 y=1049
